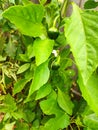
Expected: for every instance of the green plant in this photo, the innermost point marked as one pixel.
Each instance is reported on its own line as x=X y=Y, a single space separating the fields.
x=48 y=69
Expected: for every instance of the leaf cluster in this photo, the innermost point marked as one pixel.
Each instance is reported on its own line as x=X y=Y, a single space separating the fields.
x=48 y=66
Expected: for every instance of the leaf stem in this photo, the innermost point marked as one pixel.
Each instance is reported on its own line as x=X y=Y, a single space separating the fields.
x=55 y=20
x=64 y=8
x=71 y=127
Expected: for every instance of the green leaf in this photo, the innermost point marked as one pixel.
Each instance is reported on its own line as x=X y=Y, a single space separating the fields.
x=90 y=4
x=61 y=40
x=59 y=122
x=12 y=1
x=42 y=1
x=2 y=58
x=2 y=40
x=64 y=102
x=9 y=104
x=30 y=52
x=25 y=2
x=21 y=126
x=18 y=115
x=20 y=84
x=24 y=58
x=9 y=126
x=36 y=123
x=27 y=19
x=90 y=91
x=50 y=107
x=83 y=40
x=88 y=128
x=30 y=116
x=42 y=50
x=83 y=108
x=91 y=121
x=23 y=68
x=27 y=40
x=10 y=49
x=43 y=91
x=41 y=76
x=25 y=114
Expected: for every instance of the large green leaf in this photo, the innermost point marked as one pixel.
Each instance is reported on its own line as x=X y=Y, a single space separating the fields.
x=42 y=50
x=65 y=102
x=50 y=107
x=27 y=19
x=81 y=31
x=41 y=76
x=91 y=121
x=90 y=91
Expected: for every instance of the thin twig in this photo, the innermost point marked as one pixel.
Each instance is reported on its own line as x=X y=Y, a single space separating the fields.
x=71 y=127
x=75 y=92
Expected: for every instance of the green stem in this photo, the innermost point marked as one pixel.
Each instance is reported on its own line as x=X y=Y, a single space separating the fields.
x=55 y=21
x=64 y=8
x=71 y=127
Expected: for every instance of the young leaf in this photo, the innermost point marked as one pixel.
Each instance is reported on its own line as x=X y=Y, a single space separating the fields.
x=23 y=68
x=41 y=76
x=83 y=40
x=90 y=91
x=42 y=50
x=19 y=85
x=27 y=19
x=30 y=52
x=65 y=102
x=43 y=91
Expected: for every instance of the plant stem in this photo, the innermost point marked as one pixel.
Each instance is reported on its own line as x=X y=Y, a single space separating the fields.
x=71 y=127
x=64 y=8
x=55 y=20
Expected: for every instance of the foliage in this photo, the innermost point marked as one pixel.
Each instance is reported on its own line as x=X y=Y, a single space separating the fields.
x=48 y=66
x=90 y=4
